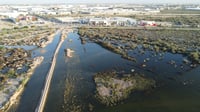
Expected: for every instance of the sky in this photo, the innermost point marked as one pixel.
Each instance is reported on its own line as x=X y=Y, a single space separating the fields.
x=99 y=1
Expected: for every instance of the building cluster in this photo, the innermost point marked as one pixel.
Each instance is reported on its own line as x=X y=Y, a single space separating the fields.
x=15 y=12
x=110 y=21
x=99 y=21
x=92 y=14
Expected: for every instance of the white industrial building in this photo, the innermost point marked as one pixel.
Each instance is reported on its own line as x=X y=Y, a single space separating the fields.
x=115 y=21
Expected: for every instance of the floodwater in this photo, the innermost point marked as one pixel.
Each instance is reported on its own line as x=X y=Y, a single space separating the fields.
x=24 y=47
x=31 y=95
x=177 y=89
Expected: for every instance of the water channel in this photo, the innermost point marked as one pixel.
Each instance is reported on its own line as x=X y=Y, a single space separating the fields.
x=31 y=95
x=180 y=92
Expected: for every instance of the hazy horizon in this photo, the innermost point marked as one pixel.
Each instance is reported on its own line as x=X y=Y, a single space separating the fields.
x=100 y=1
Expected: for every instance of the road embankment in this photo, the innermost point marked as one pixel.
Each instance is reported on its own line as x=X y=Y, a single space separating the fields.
x=50 y=73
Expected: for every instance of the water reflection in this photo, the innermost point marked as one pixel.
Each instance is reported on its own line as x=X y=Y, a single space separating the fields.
x=80 y=67
x=31 y=95
x=69 y=53
x=42 y=51
x=24 y=47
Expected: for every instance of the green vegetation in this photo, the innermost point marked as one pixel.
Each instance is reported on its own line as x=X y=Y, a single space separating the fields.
x=118 y=40
x=16 y=27
x=2 y=80
x=111 y=88
x=179 y=11
x=195 y=56
x=25 y=35
x=1 y=47
x=70 y=102
x=11 y=73
x=13 y=59
x=25 y=27
x=183 y=21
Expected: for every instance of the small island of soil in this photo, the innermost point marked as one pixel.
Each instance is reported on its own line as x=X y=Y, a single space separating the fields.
x=111 y=88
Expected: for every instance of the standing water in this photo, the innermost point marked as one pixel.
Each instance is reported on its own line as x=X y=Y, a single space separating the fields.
x=72 y=87
x=31 y=95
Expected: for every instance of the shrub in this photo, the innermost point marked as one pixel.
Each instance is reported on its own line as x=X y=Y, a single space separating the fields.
x=195 y=55
x=25 y=27
x=16 y=27
x=11 y=73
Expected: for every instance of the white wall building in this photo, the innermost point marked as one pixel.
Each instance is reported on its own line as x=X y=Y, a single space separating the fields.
x=116 y=21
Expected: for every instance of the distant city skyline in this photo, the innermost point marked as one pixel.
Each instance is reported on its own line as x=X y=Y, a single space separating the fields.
x=99 y=1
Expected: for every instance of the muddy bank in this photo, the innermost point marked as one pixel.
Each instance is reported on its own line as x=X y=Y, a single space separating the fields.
x=111 y=87
x=14 y=60
x=184 y=42
x=16 y=68
x=158 y=41
x=19 y=83
x=36 y=36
